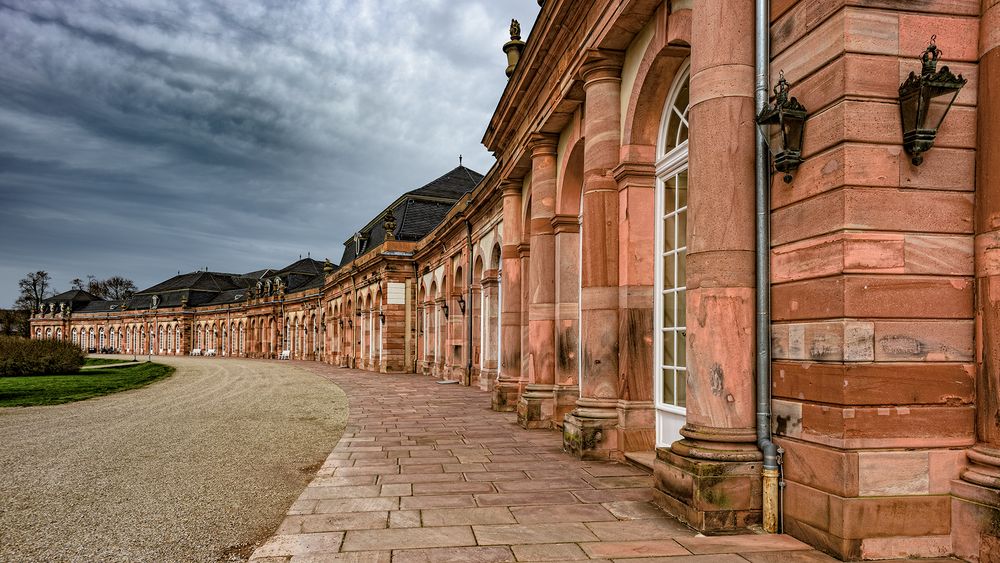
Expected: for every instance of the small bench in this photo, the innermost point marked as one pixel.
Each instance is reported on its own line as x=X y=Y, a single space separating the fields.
x=285 y=355
x=196 y=352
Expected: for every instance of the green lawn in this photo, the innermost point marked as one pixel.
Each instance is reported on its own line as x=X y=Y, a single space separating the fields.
x=58 y=389
x=103 y=361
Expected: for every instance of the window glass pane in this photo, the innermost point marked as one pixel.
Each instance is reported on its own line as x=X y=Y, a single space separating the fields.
x=670 y=234
x=681 y=388
x=668 y=348
x=681 y=228
x=682 y=189
x=669 y=273
x=681 y=308
x=681 y=348
x=681 y=103
x=671 y=139
x=668 y=386
x=668 y=310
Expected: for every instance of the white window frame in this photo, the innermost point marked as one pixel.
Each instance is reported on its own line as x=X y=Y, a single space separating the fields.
x=670 y=417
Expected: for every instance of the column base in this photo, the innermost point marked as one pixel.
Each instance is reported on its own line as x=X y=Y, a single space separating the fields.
x=487 y=379
x=565 y=398
x=590 y=431
x=536 y=407
x=975 y=507
x=711 y=496
x=636 y=426
x=506 y=394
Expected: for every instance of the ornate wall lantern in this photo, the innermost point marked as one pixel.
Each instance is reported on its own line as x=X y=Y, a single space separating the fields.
x=350 y=323
x=461 y=303
x=783 y=125
x=924 y=102
x=381 y=317
x=341 y=323
x=444 y=307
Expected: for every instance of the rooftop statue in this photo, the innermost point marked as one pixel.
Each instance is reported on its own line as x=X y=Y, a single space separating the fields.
x=515 y=30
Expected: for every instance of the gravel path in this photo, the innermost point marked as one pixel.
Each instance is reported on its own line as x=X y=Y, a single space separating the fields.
x=199 y=467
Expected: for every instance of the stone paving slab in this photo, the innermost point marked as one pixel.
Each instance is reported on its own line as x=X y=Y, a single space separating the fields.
x=428 y=473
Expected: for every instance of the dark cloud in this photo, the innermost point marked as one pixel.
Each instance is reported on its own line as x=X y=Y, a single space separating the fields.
x=168 y=135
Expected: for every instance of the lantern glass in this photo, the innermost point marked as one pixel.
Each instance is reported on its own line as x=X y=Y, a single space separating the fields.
x=939 y=102
x=792 y=130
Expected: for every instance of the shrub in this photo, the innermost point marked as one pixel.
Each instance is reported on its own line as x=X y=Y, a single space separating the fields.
x=21 y=356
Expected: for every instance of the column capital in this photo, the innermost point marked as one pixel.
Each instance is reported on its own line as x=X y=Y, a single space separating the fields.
x=511 y=187
x=602 y=65
x=542 y=144
x=524 y=250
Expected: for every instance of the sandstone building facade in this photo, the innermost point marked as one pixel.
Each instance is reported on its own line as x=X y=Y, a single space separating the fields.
x=600 y=278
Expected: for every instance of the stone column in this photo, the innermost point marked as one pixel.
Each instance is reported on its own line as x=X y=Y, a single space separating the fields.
x=709 y=477
x=976 y=502
x=441 y=327
x=491 y=293
x=589 y=431
x=567 y=323
x=508 y=385
x=536 y=406
x=475 y=310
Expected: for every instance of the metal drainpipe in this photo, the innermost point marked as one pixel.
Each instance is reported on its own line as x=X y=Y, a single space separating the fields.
x=468 y=304
x=770 y=451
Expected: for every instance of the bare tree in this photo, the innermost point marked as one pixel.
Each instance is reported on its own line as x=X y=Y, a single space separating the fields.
x=118 y=288
x=34 y=287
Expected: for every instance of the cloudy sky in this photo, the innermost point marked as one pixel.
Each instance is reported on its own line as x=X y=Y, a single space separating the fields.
x=143 y=137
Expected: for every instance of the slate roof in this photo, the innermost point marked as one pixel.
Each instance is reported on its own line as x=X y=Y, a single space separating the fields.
x=452 y=185
x=417 y=211
x=200 y=280
x=101 y=306
x=218 y=288
x=72 y=296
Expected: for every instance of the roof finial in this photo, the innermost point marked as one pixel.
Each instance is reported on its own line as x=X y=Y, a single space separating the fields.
x=459 y=160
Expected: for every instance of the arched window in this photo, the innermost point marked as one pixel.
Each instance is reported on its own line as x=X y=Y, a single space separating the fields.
x=670 y=325
x=48 y=334
x=177 y=340
x=92 y=341
x=102 y=343
x=75 y=337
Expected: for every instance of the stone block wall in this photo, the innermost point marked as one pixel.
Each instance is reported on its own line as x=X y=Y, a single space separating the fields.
x=872 y=266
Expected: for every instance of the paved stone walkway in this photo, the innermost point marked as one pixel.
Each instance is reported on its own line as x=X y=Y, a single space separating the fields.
x=428 y=473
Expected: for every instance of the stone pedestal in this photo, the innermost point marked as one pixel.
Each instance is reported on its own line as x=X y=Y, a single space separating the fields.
x=591 y=430
x=536 y=407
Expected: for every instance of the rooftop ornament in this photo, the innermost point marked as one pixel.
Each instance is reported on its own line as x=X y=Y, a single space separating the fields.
x=389 y=225
x=925 y=100
x=783 y=125
x=513 y=47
